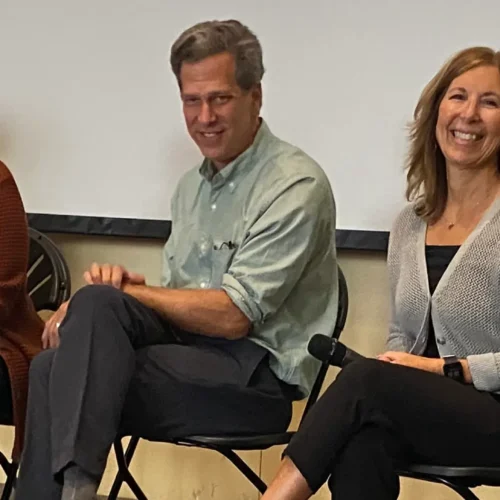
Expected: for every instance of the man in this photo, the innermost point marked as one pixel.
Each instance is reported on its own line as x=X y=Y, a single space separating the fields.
x=249 y=277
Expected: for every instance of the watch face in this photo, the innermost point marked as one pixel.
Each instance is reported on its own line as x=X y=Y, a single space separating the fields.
x=453 y=369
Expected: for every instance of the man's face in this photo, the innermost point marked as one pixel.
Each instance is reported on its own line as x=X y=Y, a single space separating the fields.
x=221 y=117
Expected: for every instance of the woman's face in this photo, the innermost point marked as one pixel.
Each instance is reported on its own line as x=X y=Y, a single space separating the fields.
x=468 y=125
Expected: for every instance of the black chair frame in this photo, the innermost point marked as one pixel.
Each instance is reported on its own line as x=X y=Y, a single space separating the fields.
x=49 y=285
x=459 y=479
x=227 y=446
x=49 y=281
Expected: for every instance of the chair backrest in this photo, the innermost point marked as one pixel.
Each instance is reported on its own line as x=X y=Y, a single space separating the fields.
x=343 y=308
x=49 y=282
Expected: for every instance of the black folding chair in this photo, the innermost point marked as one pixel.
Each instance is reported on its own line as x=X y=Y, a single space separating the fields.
x=459 y=479
x=227 y=446
x=49 y=285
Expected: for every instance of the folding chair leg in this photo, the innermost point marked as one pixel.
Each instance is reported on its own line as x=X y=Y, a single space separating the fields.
x=243 y=468
x=5 y=464
x=10 y=482
x=463 y=491
x=124 y=474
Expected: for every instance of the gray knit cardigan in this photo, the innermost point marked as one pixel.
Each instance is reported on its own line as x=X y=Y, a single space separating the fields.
x=465 y=307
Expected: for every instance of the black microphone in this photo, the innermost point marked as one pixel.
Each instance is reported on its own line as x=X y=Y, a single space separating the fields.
x=331 y=351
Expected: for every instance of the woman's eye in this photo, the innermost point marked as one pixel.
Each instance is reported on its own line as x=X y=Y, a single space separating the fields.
x=491 y=103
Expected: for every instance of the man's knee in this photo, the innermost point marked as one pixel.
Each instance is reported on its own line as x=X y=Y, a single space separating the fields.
x=101 y=307
x=92 y=295
x=92 y=300
x=41 y=365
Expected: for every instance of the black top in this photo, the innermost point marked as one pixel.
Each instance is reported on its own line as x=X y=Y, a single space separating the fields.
x=437 y=258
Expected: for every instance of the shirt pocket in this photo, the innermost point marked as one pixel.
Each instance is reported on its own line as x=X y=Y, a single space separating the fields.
x=221 y=261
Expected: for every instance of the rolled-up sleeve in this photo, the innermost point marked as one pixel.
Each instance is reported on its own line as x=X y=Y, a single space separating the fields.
x=278 y=246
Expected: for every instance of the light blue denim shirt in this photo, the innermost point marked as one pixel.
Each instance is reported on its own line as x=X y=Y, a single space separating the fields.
x=263 y=230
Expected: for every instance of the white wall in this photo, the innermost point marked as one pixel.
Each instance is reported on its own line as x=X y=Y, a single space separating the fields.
x=90 y=118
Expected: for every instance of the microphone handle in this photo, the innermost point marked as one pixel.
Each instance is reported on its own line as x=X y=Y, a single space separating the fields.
x=350 y=356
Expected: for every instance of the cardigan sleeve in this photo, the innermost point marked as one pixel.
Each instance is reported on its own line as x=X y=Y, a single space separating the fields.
x=13 y=244
x=485 y=371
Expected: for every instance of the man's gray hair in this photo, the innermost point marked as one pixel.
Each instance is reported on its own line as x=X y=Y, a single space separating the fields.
x=215 y=37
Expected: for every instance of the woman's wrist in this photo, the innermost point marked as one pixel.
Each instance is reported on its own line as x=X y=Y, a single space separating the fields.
x=466 y=370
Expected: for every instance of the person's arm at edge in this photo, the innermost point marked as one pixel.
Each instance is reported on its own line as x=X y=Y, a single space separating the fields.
x=14 y=235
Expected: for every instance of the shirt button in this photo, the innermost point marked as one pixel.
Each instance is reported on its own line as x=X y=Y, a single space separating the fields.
x=204 y=248
x=231 y=185
x=441 y=341
x=204 y=284
x=214 y=206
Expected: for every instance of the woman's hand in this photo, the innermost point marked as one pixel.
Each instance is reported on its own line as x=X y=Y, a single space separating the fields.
x=434 y=365
x=50 y=335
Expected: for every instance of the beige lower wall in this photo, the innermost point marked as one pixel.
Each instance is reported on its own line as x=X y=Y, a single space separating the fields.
x=171 y=472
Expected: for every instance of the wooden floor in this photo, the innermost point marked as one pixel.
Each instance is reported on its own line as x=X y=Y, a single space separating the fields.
x=99 y=497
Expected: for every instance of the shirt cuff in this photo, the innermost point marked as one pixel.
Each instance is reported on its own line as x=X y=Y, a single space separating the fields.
x=241 y=298
x=484 y=371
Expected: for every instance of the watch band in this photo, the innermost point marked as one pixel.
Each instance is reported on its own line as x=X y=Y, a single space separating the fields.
x=453 y=369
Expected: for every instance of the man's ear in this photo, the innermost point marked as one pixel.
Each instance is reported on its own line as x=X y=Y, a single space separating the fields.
x=256 y=92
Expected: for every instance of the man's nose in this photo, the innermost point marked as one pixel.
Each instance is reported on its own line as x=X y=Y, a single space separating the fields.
x=207 y=114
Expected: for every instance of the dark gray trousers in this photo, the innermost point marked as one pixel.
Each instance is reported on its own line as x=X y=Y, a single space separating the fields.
x=121 y=369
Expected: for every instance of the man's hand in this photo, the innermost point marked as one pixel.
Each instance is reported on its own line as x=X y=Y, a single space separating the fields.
x=434 y=365
x=50 y=335
x=108 y=274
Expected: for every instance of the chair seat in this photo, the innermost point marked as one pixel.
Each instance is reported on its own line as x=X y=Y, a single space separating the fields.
x=260 y=442
x=470 y=476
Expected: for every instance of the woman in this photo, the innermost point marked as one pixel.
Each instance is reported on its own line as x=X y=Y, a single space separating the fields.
x=411 y=404
x=20 y=326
